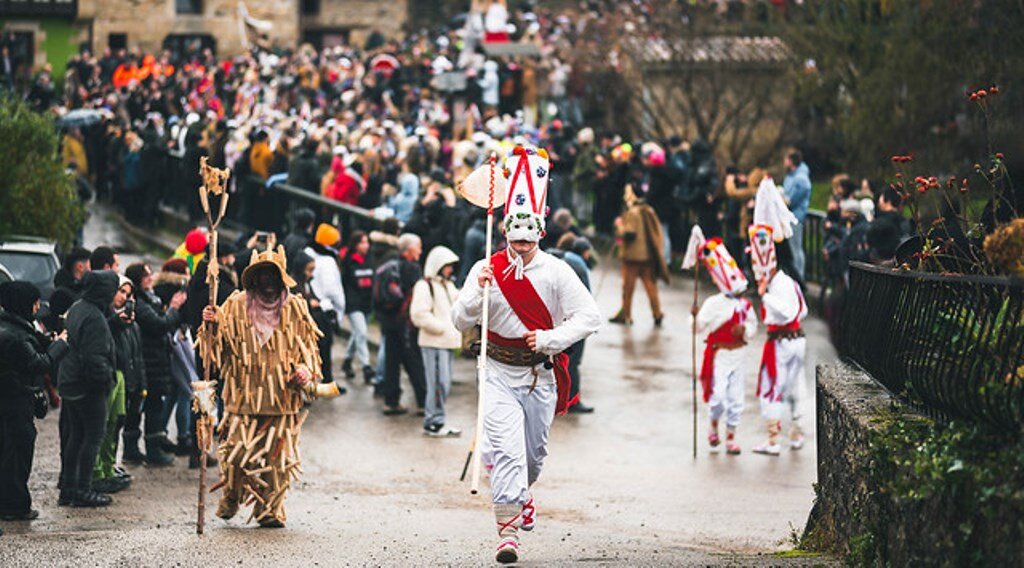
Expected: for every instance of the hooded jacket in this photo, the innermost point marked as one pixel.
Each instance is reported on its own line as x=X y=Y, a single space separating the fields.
x=432 y=300
x=89 y=366
x=22 y=351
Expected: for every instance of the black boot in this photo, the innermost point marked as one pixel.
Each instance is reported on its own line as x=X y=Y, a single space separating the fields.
x=346 y=367
x=184 y=446
x=155 y=454
x=369 y=375
x=132 y=454
x=90 y=498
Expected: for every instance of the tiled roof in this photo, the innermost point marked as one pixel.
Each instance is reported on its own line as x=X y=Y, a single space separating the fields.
x=716 y=49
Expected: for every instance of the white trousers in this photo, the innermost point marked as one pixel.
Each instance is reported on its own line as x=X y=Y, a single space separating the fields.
x=789 y=364
x=727 y=392
x=516 y=426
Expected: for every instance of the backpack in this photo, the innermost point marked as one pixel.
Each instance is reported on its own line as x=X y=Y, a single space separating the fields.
x=387 y=288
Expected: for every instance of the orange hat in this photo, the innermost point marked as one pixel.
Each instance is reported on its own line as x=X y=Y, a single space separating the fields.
x=327 y=235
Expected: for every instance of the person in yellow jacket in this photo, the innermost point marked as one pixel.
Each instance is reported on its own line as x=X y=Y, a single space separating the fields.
x=72 y=152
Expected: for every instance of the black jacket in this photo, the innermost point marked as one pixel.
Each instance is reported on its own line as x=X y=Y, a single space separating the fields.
x=199 y=293
x=886 y=232
x=24 y=358
x=409 y=274
x=357 y=279
x=128 y=354
x=156 y=344
x=89 y=366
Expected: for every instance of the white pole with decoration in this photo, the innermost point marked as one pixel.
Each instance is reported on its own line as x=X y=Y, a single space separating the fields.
x=692 y=260
x=483 y=188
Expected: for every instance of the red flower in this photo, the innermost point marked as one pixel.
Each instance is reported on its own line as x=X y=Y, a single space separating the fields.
x=982 y=93
x=973 y=96
x=999 y=155
x=994 y=90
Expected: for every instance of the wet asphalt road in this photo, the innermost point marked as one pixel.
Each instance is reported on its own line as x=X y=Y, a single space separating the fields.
x=620 y=486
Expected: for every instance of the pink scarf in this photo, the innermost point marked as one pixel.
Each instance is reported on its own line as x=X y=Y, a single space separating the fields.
x=265 y=316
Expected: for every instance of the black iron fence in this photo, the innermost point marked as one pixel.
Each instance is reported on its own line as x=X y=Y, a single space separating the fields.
x=951 y=345
x=814 y=240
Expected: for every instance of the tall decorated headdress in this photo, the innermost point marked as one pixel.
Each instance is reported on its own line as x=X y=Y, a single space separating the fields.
x=526 y=171
x=716 y=259
x=762 y=251
x=773 y=222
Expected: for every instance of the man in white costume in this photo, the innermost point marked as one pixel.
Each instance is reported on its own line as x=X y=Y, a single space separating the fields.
x=538 y=309
x=730 y=322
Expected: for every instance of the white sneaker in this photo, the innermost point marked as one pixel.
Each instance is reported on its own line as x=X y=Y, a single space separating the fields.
x=508 y=550
x=796 y=443
x=768 y=449
x=528 y=516
x=442 y=432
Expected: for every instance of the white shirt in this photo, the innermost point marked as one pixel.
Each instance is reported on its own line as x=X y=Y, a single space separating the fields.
x=783 y=301
x=573 y=311
x=326 y=283
x=718 y=309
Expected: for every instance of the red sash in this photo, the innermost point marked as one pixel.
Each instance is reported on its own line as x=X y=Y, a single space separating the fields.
x=716 y=339
x=528 y=306
x=768 y=358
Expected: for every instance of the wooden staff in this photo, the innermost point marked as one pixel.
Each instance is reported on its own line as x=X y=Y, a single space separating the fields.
x=481 y=362
x=215 y=181
x=693 y=352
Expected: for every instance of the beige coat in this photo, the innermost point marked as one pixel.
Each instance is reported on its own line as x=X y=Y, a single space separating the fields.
x=432 y=301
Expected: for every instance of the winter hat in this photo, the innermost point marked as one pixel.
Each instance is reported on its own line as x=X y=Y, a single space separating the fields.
x=327 y=235
x=18 y=298
x=176 y=265
x=61 y=300
x=196 y=241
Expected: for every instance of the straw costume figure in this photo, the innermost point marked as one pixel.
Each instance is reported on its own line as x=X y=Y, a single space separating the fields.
x=264 y=344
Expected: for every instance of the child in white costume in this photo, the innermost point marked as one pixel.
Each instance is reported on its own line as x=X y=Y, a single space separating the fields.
x=781 y=372
x=730 y=322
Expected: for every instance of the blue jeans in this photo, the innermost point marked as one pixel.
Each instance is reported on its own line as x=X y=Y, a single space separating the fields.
x=437 y=366
x=357 y=341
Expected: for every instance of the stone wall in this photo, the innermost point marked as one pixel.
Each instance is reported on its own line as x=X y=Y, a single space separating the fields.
x=148 y=22
x=359 y=18
x=855 y=516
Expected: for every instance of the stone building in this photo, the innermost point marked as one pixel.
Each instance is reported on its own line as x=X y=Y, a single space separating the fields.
x=49 y=31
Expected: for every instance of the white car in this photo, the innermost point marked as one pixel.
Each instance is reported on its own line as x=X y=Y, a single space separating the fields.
x=30 y=259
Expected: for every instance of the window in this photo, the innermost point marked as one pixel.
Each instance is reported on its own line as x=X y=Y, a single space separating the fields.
x=117 y=41
x=310 y=7
x=188 y=6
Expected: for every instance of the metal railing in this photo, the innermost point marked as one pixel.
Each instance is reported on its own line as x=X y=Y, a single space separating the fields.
x=953 y=346
x=814 y=240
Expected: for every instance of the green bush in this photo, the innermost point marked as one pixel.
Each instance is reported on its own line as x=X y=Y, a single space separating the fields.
x=37 y=196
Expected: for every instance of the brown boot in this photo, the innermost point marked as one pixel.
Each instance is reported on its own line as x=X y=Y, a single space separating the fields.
x=227 y=508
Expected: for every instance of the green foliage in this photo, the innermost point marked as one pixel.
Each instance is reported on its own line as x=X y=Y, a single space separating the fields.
x=976 y=473
x=38 y=197
x=891 y=77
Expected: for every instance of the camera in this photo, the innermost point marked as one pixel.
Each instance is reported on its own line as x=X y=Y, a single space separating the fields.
x=129 y=308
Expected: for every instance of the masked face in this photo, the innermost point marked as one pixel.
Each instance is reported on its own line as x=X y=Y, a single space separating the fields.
x=723 y=268
x=268 y=283
x=762 y=252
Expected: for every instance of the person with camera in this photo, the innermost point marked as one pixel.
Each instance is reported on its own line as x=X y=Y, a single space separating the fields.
x=156 y=326
x=86 y=378
x=27 y=356
x=127 y=361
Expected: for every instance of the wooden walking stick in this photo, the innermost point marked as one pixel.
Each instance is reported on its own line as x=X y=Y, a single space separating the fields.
x=204 y=395
x=693 y=352
x=692 y=260
x=483 y=189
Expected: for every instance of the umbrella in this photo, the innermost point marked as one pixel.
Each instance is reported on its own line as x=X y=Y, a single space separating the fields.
x=80 y=117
